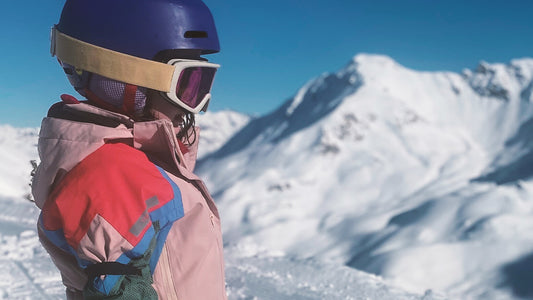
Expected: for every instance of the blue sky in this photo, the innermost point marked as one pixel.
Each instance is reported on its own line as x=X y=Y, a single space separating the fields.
x=271 y=48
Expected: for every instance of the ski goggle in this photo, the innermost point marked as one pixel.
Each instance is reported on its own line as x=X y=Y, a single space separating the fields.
x=191 y=83
x=186 y=83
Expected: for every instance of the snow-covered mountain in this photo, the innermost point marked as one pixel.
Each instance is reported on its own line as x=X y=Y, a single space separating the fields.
x=424 y=178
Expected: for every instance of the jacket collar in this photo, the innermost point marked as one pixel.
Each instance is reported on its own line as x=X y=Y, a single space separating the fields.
x=158 y=139
x=73 y=131
x=155 y=137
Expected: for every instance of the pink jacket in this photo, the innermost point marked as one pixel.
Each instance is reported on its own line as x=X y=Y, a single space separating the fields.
x=191 y=264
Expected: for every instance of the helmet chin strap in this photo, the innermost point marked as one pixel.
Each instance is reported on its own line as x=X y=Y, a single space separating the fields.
x=128 y=106
x=129 y=99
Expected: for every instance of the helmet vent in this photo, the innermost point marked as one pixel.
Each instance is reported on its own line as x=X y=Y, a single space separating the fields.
x=195 y=34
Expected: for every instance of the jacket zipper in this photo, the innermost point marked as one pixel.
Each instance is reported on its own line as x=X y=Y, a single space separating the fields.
x=167 y=274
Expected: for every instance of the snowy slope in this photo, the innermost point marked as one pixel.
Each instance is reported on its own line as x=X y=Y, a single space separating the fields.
x=283 y=278
x=28 y=273
x=18 y=146
x=394 y=172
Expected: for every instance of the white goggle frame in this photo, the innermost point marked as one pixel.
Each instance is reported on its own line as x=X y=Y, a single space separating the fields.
x=181 y=65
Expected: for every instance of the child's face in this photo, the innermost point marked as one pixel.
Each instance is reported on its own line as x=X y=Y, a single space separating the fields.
x=161 y=108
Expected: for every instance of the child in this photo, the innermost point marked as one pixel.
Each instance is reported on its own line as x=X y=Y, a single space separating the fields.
x=123 y=216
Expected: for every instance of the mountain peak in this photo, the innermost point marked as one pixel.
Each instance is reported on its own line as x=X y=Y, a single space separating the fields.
x=371 y=66
x=524 y=62
x=375 y=59
x=502 y=81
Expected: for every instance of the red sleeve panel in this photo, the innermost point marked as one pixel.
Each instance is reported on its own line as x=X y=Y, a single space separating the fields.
x=118 y=183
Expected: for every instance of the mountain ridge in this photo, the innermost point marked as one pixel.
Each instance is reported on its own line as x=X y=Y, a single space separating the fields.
x=378 y=167
x=365 y=69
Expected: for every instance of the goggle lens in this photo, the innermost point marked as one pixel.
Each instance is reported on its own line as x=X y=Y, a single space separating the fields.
x=194 y=84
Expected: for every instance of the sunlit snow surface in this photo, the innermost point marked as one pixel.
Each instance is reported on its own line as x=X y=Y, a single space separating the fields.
x=422 y=179
x=285 y=278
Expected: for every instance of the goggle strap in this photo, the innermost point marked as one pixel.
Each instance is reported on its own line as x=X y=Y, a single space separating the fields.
x=112 y=64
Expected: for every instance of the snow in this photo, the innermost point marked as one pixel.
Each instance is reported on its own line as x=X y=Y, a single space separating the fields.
x=390 y=171
x=285 y=278
x=372 y=182
x=17 y=149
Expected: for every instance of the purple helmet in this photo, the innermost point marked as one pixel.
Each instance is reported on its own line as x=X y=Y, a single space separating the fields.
x=141 y=28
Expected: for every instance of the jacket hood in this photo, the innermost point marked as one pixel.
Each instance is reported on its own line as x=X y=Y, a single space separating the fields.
x=73 y=131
